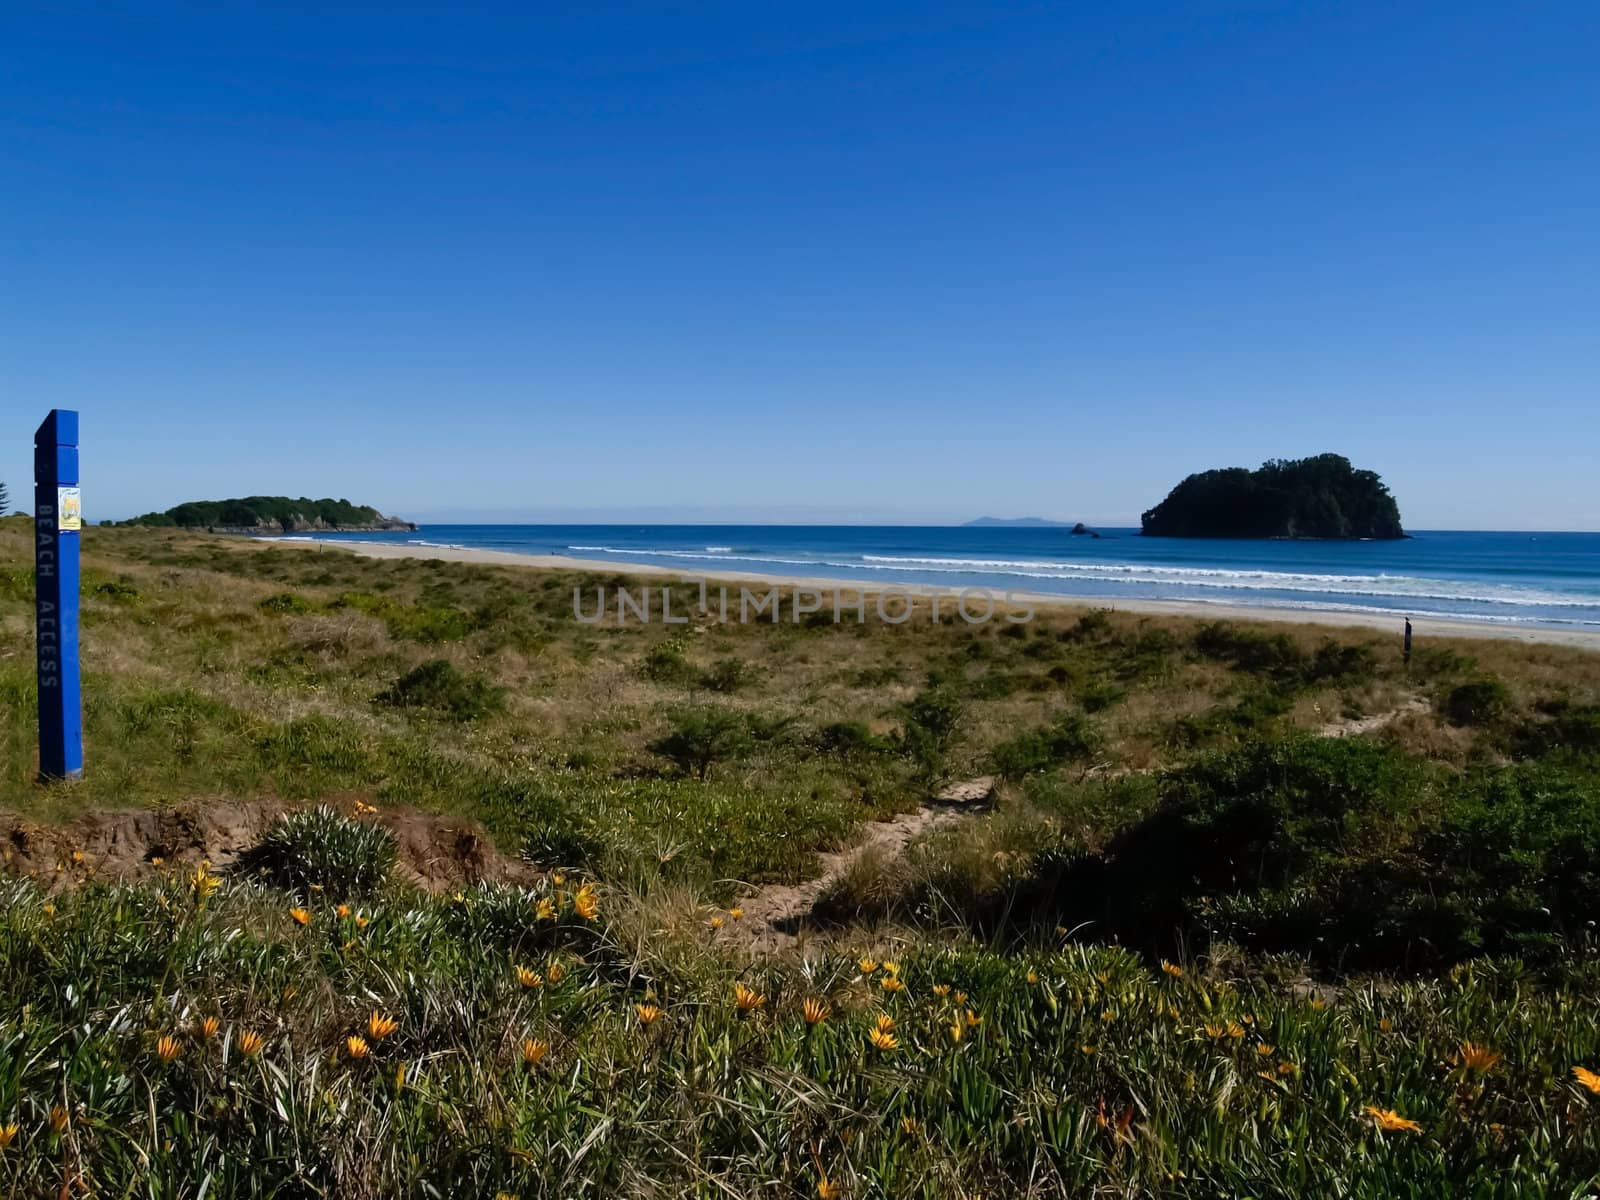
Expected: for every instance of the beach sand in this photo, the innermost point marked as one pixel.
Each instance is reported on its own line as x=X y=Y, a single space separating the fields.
x=1422 y=627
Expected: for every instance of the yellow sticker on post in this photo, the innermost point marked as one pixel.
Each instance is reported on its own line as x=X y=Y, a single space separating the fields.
x=69 y=508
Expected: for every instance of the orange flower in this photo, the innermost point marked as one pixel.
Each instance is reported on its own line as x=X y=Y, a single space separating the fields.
x=747 y=999
x=1390 y=1121
x=58 y=1119
x=8 y=1134
x=534 y=1050
x=529 y=978
x=1587 y=1078
x=815 y=1011
x=168 y=1048
x=648 y=1014
x=891 y=983
x=380 y=1026
x=828 y=1190
x=883 y=1041
x=586 y=902
x=555 y=971
x=1478 y=1058
x=884 y=1023
x=867 y=966
x=209 y=1027
x=716 y=922
x=250 y=1043
x=343 y=911
x=302 y=916
x=357 y=1046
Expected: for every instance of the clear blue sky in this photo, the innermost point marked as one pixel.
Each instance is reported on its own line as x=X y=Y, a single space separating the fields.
x=827 y=261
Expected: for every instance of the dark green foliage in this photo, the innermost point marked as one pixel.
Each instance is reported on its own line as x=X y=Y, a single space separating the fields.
x=1097 y=697
x=1319 y=497
x=1569 y=730
x=850 y=738
x=323 y=849
x=440 y=686
x=1071 y=737
x=667 y=661
x=285 y=603
x=725 y=675
x=701 y=737
x=929 y=725
x=1476 y=702
x=278 y=513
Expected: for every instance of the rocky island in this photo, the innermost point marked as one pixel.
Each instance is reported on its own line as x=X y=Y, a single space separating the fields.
x=1319 y=497
x=273 y=514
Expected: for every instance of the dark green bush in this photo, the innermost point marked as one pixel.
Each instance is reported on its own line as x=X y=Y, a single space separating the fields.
x=1476 y=702
x=1071 y=737
x=702 y=737
x=725 y=675
x=321 y=848
x=439 y=686
x=929 y=725
x=285 y=603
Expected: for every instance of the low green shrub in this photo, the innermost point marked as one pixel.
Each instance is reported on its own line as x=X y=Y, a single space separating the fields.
x=324 y=850
x=702 y=737
x=1476 y=702
x=439 y=686
x=1071 y=737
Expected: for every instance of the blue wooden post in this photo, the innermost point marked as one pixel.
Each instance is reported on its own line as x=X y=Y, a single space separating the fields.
x=57 y=516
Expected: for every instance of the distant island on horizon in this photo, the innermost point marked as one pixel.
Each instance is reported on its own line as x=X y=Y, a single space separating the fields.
x=1015 y=523
x=272 y=514
x=1319 y=498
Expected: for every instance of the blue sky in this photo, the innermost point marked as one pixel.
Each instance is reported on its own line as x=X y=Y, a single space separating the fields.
x=805 y=262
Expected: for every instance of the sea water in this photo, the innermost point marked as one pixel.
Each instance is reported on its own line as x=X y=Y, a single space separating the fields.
x=1546 y=579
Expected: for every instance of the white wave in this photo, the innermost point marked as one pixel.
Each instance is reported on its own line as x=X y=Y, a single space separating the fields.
x=1398 y=587
x=719 y=549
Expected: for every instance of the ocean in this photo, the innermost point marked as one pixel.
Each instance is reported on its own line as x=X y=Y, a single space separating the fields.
x=1544 y=579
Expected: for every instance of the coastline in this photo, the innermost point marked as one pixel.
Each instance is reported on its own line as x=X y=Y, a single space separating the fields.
x=1430 y=627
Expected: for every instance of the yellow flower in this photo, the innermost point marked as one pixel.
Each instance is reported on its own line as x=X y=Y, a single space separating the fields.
x=1287 y=1068
x=736 y=913
x=883 y=1041
x=1478 y=1058
x=357 y=1046
x=867 y=966
x=1215 y=1032
x=747 y=999
x=1033 y=977
x=343 y=911
x=960 y=998
x=204 y=882
x=250 y=1043
x=1386 y=1025
x=49 y=910
x=648 y=1013
x=815 y=1010
x=1172 y=969
x=957 y=1030
x=892 y=967
x=555 y=971
x=908 y=1125
x=168 y=1048
x=1390 y=1121
x=1588 y=1078
x=400 y=1077
x=1318 y=1004
x=973 y=1019
x=716 y=922
x=361 y=922
x=890 y=983
x=1235 y=1030
x=534 y=1050
x=1108 y=1016
x=828 y=1190
x=380 y=1026
x=529 y=978
x=209 y=1027
x=1088 y=1048
x=941 y=989
x=1264 y=1050
x=546 y=909
x=158 y=861
x=586 y=902
x=884 y=1023
x=302 y=916
x=58 y=1119
x=8 y=1134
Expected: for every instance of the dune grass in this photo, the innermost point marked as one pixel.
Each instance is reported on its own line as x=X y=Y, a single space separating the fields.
x=1379 y=973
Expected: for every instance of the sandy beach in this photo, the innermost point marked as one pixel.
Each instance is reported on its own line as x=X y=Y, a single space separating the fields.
x=1422 y=627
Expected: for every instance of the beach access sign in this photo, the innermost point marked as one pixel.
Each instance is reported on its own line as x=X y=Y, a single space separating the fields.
x=57 y=520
